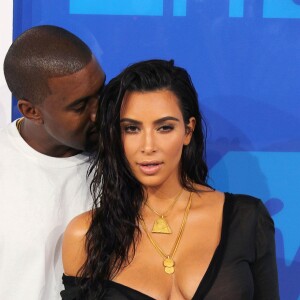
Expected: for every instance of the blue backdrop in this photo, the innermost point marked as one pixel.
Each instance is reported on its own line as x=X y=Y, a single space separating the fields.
x=244 y=58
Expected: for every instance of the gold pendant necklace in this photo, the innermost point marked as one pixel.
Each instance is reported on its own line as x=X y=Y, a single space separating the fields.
x=168 y=260
x=161 y=225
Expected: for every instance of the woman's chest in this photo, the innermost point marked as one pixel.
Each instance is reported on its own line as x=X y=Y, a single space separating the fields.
x=148 y=274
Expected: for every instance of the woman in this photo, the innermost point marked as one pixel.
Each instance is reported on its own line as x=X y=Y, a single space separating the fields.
x=157 y=230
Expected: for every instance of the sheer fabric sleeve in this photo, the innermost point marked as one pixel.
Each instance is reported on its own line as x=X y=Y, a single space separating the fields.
x=264 y=268
x=72 y=289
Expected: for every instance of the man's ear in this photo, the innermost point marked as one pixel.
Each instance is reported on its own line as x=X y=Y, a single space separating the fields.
x=189 y=129
x=30 y=111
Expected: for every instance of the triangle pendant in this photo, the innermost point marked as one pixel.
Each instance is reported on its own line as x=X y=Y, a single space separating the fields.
x=161 y=226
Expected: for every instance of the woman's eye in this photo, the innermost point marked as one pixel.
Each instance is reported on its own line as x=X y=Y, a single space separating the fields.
x=166 y=128
x=131 y=129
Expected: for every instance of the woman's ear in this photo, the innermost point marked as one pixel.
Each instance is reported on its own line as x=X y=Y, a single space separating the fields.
x=189 y=129
x=30 y=111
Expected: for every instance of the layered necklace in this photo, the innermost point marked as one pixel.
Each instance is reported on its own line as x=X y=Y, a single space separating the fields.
x=161 y=225
x=168 y=259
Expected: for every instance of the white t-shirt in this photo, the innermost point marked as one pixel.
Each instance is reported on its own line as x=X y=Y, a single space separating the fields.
x=39 y=195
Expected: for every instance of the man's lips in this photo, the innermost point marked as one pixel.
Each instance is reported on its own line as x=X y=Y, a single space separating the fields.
x=92 y=129
x=150 y=168
x=92 y=132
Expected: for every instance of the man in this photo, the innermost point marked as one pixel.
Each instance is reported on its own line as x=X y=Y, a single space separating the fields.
x=43 y=160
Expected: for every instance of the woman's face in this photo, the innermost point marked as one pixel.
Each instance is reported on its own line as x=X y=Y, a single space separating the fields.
x=153 y=135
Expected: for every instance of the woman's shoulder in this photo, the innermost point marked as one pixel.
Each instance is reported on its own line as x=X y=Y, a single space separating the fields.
x=73 y=249
x=213 y=197
x=244 y=201
x=236 y=204
x=248 y=207
x=79 y=225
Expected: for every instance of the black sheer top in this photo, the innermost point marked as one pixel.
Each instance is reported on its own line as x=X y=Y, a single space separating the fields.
x=243 y=266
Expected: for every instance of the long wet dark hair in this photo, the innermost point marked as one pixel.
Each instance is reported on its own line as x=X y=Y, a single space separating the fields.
x=118 y=195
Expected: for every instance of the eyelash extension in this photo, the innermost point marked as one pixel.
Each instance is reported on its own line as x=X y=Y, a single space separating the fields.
x=127 y=128
x=166 y=128
x=133 y=129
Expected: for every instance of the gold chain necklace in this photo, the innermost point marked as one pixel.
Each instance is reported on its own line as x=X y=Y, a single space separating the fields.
x=161 y=225
x=19 y=124
x=168 y=260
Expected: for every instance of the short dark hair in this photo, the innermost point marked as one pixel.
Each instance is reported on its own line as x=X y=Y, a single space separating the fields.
x=40 y=53
x=118 y=195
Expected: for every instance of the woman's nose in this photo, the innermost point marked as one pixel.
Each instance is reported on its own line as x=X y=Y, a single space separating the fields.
x=149 y=146
x=93 y=108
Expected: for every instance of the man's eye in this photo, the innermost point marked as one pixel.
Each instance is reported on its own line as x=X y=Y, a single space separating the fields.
x=80 y=108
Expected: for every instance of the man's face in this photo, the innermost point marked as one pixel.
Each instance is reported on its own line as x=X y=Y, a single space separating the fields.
x=69 y=110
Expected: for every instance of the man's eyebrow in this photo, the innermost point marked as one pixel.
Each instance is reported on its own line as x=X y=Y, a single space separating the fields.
x=86 y=98
x=156 y=122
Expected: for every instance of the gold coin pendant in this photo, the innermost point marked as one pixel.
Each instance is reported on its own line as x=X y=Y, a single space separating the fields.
x=169 y=270
x=169 y=262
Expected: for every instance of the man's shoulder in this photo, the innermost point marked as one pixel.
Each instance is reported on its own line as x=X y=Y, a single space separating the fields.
x=6 y=128
x=6 y=135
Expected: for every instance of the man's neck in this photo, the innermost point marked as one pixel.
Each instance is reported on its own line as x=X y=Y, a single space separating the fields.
x=34 y=136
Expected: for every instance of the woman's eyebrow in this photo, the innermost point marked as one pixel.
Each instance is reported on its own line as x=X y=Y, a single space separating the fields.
x=158 y=121
x=168 y=118
x=123 y=120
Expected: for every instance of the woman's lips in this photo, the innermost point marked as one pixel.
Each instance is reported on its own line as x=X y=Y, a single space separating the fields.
x=150 y=168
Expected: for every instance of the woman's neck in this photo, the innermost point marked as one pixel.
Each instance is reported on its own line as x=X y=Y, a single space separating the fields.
x=160 y=198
